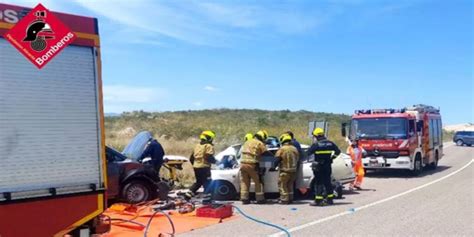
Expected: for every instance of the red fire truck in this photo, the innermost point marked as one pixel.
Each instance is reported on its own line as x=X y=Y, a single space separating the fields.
x=52 y=152
x=408 y=138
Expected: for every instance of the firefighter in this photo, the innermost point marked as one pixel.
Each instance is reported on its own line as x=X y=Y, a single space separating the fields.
x=357 y=152
x=202 y=158
x=252 y=152
x=295 y=142
x=287 y=160
x=248 y=136
x=155 y=151
x=324 y=152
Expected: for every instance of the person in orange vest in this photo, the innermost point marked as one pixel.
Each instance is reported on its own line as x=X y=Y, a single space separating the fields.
x=357 y=152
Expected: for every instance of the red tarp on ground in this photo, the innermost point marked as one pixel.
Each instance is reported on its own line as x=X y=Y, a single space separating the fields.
x=160 y=224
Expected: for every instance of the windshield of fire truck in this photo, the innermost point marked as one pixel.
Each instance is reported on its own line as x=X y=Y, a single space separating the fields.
x=379 y=128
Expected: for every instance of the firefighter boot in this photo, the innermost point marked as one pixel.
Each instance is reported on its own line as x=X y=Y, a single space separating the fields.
x=245 y=202
x=261 y=201
x=284 y=202
x=317 y=203
x=329 y=200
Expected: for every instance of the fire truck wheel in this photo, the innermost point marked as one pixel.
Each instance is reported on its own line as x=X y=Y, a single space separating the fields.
x=434 y=164
x=417 y=166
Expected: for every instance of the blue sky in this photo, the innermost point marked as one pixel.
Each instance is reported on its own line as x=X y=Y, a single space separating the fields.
x=326 y=55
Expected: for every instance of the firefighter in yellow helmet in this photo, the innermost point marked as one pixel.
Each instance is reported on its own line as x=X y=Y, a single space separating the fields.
x=324 y=152
x=287 y=160
x=248 y=136
x=201 y=159
x=252 y=151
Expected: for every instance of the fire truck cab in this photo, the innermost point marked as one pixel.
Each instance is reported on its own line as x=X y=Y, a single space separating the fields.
x=408 y=138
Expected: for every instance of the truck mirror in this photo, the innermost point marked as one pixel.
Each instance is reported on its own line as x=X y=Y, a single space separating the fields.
x=343 y=129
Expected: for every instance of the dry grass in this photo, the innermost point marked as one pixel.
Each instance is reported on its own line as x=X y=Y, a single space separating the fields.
x=178 y=131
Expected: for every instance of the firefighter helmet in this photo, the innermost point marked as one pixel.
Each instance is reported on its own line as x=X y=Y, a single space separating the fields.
x=208 y=135
x=262 y=134
x=248 y=136
x=285 y=137
x=318 y=132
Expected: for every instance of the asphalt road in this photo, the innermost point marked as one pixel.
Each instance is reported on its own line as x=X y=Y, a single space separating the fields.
x=438 y=202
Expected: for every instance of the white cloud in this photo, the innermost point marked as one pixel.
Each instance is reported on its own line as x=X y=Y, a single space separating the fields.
x=132 y=94
x=197 y=103
x=210 y=88
x=208 y=23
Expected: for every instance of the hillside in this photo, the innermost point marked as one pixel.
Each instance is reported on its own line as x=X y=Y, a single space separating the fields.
x=178 y=131
x=459 y=127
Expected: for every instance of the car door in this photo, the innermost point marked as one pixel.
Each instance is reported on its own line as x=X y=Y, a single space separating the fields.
x=470 y=137
x=270 y=179
x=342 y=170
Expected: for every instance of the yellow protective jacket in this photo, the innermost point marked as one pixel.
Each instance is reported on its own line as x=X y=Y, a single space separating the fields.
x=201 y=152
x=252 y=150
x=288 y=157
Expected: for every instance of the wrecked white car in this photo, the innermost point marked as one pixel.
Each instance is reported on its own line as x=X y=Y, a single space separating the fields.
x=226 y=177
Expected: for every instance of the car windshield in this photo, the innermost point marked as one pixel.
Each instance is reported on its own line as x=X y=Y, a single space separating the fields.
x=137 y=145
x=379 y=128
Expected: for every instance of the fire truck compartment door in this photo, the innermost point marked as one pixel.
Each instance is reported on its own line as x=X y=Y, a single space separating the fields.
x=49 y=122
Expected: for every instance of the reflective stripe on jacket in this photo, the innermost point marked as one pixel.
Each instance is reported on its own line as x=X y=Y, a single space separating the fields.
x=288 y=156
x=201 y=152
x=324 y=151
x=252 y=150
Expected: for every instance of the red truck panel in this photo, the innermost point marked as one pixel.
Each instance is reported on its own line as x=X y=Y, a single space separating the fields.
x=33 y=218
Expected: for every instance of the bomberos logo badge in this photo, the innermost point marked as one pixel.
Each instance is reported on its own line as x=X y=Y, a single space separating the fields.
x=40 y=36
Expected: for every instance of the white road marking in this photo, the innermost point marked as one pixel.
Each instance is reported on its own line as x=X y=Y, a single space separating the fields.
x=448 y=145
x=371 y=204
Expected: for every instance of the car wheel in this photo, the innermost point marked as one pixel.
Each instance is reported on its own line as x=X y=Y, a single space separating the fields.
x=434 y=164
x=459 y=142
x=338 y=190
x=223 y=190
x=136 y=191
x=417 y=166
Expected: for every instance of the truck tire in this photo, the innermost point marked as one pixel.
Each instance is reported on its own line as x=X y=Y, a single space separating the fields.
x=434 y=164
x=136 y=191
x=223 y=190
x=459 y=142
x=417 y=166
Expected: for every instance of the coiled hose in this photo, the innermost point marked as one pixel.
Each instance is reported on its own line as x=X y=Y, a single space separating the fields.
x=151 y=218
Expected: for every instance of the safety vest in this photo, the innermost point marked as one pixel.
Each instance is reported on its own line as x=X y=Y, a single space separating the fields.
x=356 y=154
x=288 y=156
x=252 y=150
x=201 y=153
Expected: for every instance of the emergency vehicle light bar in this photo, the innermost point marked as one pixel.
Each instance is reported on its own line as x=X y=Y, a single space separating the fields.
x=379 y=111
